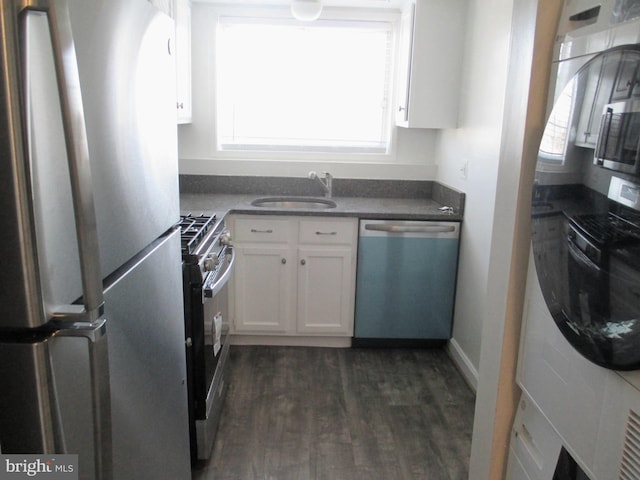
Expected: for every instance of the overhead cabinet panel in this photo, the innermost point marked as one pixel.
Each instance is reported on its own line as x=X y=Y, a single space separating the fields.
x=180 y=11
x=183 y=60
x=431 y=45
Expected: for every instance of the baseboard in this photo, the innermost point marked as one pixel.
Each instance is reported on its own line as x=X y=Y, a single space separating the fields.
x=398 y=343
x=291 y=341
x=464 y=365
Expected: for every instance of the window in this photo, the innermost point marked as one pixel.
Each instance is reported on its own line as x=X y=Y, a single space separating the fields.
x=556 y=133
x=289 y=86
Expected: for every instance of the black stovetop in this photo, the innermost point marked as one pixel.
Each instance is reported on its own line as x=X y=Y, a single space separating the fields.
x=193 y=229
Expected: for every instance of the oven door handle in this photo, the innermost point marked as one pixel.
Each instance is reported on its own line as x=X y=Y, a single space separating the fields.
x=213 y=285
x=581 y=258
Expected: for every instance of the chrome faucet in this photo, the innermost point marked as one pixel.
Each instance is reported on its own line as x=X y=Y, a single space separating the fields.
x=326 y=184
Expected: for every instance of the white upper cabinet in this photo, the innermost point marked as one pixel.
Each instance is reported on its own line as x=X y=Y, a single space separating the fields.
x=180 y=11
x=597 y=92
x=183 y=59
x=431 y=46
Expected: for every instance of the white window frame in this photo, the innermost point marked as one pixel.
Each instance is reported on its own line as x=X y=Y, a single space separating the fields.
x=556 y=161
x=341 y=14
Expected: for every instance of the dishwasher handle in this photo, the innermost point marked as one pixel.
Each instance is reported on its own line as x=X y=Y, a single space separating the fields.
x=410 y=228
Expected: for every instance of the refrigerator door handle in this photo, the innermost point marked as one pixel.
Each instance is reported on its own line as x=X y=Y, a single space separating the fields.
x=96 y=334
x=77 y=147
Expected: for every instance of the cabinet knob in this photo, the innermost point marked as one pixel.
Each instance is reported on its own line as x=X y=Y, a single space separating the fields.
x=303 y=262
x=225 y=238
x=211 y=262
x=284 y=260
x=401 y=108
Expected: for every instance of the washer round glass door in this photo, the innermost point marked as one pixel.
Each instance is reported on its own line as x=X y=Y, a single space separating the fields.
x=586 y=212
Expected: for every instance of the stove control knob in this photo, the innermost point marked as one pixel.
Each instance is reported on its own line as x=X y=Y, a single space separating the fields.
x=225 y=238
x=211 y=262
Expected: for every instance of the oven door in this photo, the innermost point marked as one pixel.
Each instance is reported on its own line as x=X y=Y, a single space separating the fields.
x=585 y=322
x=588 y=287
x=214 y=360
x=602 y=321
x=216 y=302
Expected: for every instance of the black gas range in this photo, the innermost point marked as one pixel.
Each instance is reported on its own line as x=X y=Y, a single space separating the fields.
x=207 y=263
x=597 y=234
x=601 y=311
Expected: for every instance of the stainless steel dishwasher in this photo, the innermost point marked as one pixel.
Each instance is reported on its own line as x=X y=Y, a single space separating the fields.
x=405 y=284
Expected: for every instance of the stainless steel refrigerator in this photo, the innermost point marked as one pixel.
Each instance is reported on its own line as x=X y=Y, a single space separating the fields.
x=92 y=357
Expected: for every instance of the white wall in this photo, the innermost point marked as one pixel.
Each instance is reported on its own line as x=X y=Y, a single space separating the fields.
x=476 y=143
x=413 y=159
x=503 y=115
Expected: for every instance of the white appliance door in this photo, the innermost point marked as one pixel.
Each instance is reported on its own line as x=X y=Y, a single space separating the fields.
x=585 y=241
x=127 y=76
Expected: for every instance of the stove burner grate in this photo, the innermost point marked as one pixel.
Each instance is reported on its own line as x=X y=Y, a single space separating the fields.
x=608 y=228
x=193 y=229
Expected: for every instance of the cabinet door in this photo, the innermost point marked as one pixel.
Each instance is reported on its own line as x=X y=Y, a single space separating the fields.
x=429 y=77
x=263 y=289
x=627 y=79
x=326 y=290
x=597 y=93
x=404 y=72
x=183 y=60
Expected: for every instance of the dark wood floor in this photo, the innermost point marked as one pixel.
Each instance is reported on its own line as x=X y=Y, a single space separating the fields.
x=342 y=414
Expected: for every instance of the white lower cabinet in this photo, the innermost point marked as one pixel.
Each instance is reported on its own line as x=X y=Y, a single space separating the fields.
x=263 y=289
x=294 y=276
x=326 y=280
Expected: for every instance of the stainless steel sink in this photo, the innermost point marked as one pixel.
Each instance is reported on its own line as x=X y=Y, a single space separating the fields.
x=294 y=202
x=540 y=208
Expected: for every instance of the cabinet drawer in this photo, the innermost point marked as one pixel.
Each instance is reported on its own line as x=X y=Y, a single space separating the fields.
x=262 y=230
x=328 y=232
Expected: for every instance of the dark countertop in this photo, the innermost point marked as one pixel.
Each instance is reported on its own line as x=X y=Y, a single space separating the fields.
x=359 y=207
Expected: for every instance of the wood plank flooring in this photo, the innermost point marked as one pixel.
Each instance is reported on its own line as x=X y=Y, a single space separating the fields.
x=296 y=413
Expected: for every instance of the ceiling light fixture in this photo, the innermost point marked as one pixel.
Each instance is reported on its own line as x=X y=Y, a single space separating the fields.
x=306 y=10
